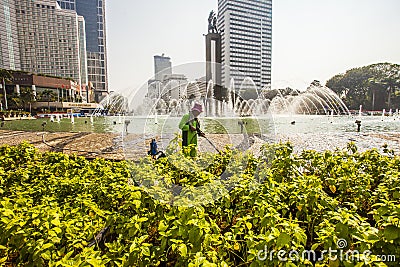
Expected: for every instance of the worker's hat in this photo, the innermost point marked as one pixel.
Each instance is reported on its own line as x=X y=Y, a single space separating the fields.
x=197 y=107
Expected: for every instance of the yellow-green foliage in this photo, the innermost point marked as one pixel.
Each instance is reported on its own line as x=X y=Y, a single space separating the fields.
x=52 y=205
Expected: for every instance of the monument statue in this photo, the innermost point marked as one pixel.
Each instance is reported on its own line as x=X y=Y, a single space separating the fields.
x=212 y=22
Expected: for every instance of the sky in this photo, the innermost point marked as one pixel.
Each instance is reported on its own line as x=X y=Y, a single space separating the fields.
x=311 y=39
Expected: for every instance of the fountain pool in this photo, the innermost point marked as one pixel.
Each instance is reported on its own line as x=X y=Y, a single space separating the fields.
x=166 y=124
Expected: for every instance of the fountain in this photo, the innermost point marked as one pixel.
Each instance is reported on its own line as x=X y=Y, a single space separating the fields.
x=155 y=119
x=249 y=101
x=112 y=104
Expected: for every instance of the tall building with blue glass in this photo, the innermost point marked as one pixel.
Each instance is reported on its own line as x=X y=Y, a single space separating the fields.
x=9 y=48
x=95 y=25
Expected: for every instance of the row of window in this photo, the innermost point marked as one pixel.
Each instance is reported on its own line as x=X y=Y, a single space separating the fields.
x=260 y=3
x=240 y=44
x=245 y=49
x=257 y=39
x=45 y=6
x=248 y=64
x=235 y=56
x=245 y=25
x=223 y=5
x=248 y=32
x=248 y=10
x=247 y=13
x=238 y=70
x=67 y=5
x=244 y=44
x=235 y=65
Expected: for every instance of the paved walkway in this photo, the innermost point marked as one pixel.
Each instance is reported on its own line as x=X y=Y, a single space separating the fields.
x=89 y=145
x=106 y=145
x=134 y=147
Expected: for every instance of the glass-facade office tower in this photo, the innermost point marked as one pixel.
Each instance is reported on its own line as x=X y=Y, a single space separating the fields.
x=94 y=13
x=246 y=33
x=9 y=48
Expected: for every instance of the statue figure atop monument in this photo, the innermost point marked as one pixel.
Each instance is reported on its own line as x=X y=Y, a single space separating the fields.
x=212 y=22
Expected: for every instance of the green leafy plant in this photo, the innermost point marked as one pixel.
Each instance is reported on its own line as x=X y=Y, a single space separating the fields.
x=53 y=208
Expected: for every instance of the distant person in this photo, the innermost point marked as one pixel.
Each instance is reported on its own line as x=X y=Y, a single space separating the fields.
x=190 y=126
x=127 y=122
x=154 y=150
x=241 y=124
x=358 y=125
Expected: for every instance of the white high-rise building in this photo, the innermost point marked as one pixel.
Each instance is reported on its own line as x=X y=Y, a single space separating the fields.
x=48 y=39
x=93 y=12
x=246 y=32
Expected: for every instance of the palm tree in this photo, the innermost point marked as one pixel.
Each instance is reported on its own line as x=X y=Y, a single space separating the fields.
x=27 y=97
x=49 y=96
x=5 y=75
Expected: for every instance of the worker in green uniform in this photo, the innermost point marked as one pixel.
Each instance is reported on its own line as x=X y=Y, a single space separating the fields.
x=190 y=126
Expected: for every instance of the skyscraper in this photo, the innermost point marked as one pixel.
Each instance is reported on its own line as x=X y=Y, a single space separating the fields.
x=162 y=67
x=246 y=32
x=9 y=49
x=94 y=13
x=162 y=70
x=48 y=39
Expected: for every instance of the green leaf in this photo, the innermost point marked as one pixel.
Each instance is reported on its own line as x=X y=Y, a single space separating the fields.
x=182 y=250
x=249 y=225
x=146 y=251
x=46 y=246
x=95 y=262
x=392 y=232
x=283 y=240
x=56 y=221
x=162 y=226
x=342 y=229
x=315 y=246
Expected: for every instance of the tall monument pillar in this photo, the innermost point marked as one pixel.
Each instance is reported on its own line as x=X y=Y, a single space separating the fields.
x=214 y=56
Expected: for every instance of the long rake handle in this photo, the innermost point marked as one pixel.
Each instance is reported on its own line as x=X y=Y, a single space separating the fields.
x=212 y=144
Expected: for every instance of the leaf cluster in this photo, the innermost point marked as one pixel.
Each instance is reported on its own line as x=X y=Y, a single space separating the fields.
x=53 y=205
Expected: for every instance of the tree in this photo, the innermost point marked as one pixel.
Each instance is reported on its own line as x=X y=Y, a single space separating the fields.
x=315 y=83
x=27 y=97
x=5 y=76
x=14 y=101
x=49 y=96
x=376 y=86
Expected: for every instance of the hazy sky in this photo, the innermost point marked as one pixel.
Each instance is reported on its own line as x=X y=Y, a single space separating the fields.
x=312 y=39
